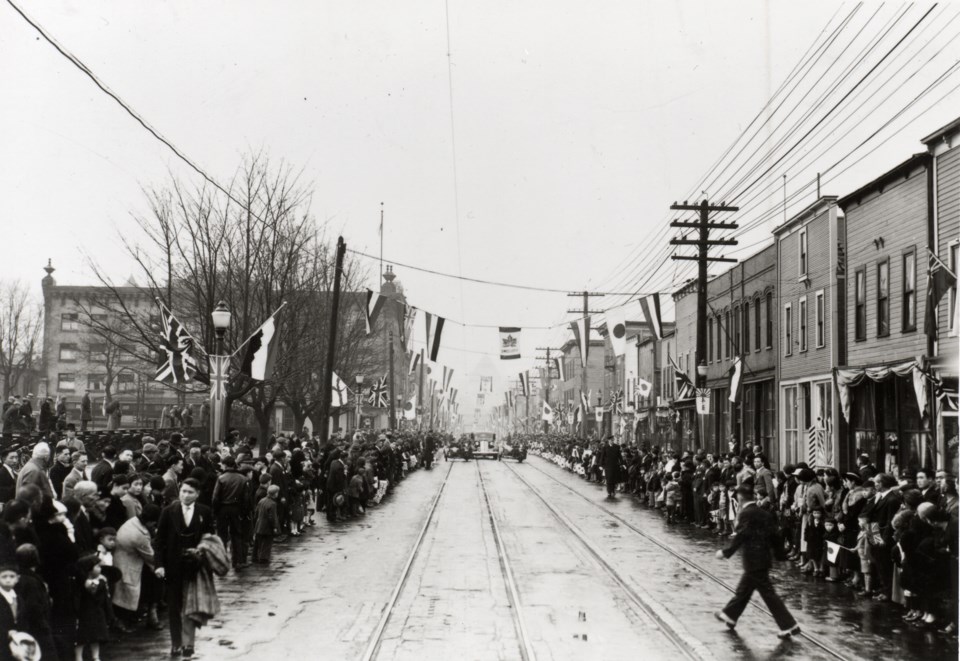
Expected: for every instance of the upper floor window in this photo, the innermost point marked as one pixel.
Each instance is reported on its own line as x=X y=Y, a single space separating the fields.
x=98 y=353
x=710 y=340
x=909 y=291
x=736 y=331
x=68 y=352
x=96 y=382
x=719 y=338
x=787 y=329
x=883 y=298
x=66 y=382
x=860 y=305
x=803 y=256
x=69 y=321
x=952 y=296
x=756 y=325
x=769 y=307
x=746 y=327
x=820 y=321
x=803 y=324
x=728 y=341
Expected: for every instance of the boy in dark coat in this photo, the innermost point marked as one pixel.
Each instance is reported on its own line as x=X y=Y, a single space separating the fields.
x=266 y=525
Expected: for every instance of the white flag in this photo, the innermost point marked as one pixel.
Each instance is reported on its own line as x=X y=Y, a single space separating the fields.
x=339 y=393
x=617 y=329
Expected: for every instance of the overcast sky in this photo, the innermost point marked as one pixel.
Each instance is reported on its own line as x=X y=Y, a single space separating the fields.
x=576 y=125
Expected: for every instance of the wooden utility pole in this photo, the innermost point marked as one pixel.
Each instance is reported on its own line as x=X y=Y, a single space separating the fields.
x=703 y=243
x=585 y=313
x=420 y=406
x=393 y=399
x=327 y=384
x=549 y=380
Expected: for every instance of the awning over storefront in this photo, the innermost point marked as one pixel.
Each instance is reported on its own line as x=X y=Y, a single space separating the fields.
x=850 y=377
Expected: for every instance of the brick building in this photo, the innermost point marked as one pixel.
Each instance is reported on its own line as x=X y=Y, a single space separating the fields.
x=79 y=357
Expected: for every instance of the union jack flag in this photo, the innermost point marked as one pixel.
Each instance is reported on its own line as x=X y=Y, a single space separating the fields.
x=178 y=362
x=617 y=403
x=219 y=375
x=378 y=393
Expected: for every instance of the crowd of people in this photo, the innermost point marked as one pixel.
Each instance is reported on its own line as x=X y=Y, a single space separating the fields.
x=98 y=543
x=890 y=538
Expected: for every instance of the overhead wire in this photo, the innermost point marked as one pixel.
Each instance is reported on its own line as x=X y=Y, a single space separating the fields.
x=662 y=256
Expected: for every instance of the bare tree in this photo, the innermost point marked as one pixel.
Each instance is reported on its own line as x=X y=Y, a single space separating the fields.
x=197 y=247
x=21 y=319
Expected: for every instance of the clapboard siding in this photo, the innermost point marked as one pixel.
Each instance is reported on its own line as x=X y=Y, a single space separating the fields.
x=948 y=230
x=948 y=207
x=815 y=360
x=896 y=215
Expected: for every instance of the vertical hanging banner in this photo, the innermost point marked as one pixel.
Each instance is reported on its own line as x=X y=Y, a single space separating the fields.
x=581 y=333
x=434 y=327
x=651 y=311
x=524 y=384
x=447 y=377
x=561 y=371
x=617 y=328
x=414 y=361
x=736 y=375
x=374 y=305
x=509 y=343
x=486 y=384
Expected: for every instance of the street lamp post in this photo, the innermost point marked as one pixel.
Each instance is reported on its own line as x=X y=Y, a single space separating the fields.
x=701 y=381
x=219 y=372
x=359 y=398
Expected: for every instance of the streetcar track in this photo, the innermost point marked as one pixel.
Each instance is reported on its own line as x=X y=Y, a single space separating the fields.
x=526 y=650
x=373 y=647
x=815 y=640
x=688 y=646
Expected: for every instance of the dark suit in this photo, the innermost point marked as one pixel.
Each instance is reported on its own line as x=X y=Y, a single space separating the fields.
x=611 y=458
x=101 y=474
x=756 y=538
x=173 y=538
x=8 y=622
x=881 y=512
x=8 y=485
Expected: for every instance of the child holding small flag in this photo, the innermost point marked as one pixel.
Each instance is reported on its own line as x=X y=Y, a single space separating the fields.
x=832 y=550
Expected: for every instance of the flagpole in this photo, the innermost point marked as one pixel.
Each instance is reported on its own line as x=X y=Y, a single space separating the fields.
x=940 y=262
x=381 y=242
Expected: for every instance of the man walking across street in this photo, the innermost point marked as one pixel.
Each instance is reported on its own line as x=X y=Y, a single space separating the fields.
x=756 y=535
x=610 y=459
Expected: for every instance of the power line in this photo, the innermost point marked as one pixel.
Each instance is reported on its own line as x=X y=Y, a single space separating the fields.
x=481 y=281
x=836 y=105
x=73 y=59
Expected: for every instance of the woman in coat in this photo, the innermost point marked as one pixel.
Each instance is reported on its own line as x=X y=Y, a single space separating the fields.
x=133 y=551
x=336 y=483
x=58 y=559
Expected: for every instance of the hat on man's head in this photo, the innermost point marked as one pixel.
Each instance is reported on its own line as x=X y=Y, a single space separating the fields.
x=853 y=477
x=150 y=447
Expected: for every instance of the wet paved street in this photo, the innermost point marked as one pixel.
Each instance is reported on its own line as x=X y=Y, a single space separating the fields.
x=615 y=594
